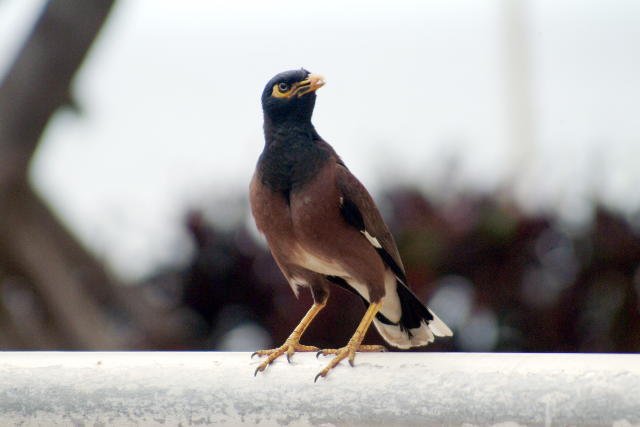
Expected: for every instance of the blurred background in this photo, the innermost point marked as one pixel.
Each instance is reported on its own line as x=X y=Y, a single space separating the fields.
x=500 y=139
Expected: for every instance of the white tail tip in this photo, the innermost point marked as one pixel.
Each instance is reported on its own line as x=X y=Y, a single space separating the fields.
x=438 y=327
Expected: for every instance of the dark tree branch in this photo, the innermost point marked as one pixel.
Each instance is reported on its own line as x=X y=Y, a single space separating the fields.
x=72 y=285
x=38 y=82
x=81 y=303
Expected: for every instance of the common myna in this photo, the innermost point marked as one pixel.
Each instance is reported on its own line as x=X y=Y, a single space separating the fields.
x=323 y=228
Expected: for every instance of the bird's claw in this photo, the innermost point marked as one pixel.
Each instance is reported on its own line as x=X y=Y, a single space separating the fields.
x=348 y=351
x=288 y=348
x=342 y=353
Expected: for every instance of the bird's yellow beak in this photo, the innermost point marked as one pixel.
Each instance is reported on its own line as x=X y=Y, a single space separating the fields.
x=312 y=83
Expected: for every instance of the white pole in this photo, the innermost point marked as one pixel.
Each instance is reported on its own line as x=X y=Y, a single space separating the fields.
x=426 y=389
x=518 y=87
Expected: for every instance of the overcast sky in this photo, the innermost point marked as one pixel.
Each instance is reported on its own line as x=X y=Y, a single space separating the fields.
x=171 y=115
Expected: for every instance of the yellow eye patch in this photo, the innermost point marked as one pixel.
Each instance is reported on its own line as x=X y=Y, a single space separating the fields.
x=282 y=90
x=312 y=83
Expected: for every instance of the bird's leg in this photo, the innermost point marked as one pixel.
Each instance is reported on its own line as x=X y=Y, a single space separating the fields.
x=354 y=343
x=292 y=344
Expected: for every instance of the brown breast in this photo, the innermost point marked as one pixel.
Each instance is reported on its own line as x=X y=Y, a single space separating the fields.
x=310 y=232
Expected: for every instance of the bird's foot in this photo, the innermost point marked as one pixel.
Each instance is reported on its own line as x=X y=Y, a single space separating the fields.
x=361 y=349
x=342 y=353
x=288 y=348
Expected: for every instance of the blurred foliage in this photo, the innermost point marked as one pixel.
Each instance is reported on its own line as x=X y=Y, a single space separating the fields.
x=503 y=280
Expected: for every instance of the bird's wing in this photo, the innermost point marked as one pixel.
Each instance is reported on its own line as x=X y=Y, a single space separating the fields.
x=360 y=211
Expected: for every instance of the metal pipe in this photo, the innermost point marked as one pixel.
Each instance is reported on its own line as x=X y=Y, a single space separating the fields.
x=426 y=389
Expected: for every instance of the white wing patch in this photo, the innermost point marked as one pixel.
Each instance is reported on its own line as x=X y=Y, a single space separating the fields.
x=365 y=233
x=371 y=239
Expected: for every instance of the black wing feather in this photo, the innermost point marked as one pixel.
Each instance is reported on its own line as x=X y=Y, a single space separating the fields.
x=359 y=210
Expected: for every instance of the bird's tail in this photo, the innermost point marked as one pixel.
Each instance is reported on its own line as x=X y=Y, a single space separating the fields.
x=418 y=325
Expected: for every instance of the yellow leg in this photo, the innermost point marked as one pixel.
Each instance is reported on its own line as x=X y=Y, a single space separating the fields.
x=354 y=343
x=292 y=344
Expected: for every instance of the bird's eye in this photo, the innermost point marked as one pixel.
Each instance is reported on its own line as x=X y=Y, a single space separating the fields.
x=284 y=87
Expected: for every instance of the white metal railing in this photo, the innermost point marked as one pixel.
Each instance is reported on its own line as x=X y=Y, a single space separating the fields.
x=427 y=389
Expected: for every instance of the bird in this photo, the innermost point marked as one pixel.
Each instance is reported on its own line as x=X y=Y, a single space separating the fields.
x=324 y=229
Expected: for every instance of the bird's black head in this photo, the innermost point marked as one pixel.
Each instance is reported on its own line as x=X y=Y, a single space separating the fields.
x=290 y=96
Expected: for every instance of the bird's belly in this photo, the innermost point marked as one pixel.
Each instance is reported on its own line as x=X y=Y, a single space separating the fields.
x=275 y=218
x=319 y=264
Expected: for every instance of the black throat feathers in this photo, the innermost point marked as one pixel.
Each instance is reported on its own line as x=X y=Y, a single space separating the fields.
x=292 y=155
